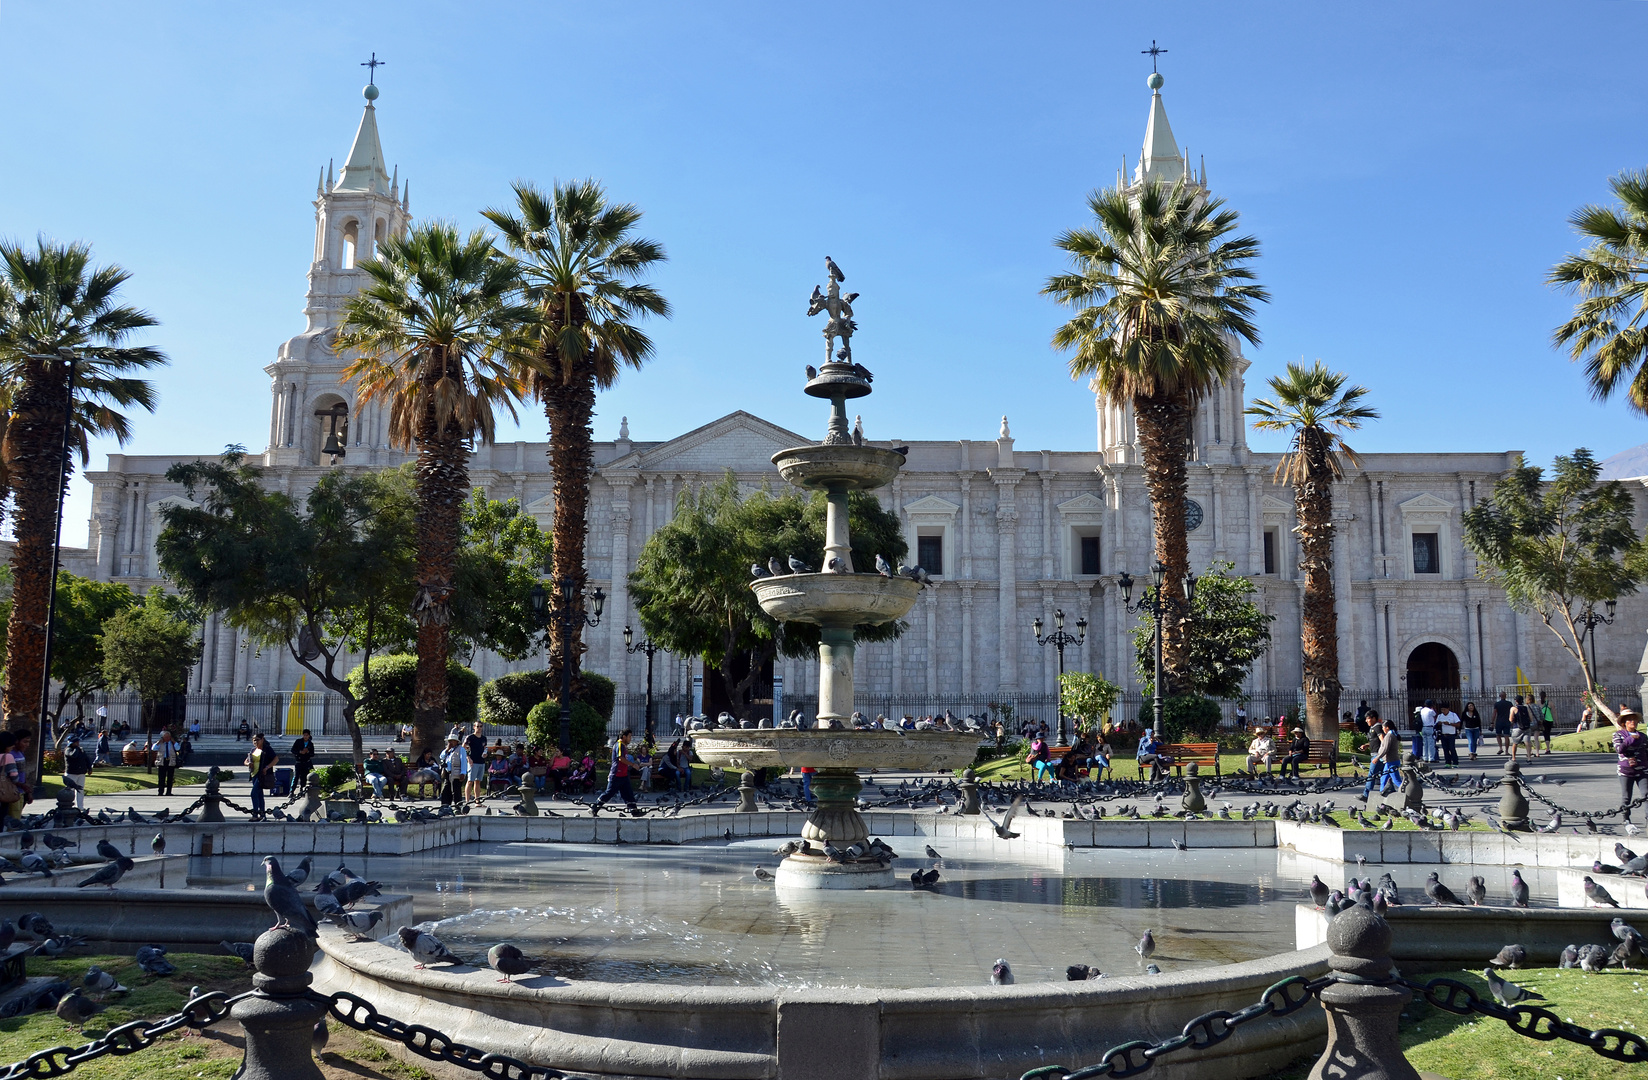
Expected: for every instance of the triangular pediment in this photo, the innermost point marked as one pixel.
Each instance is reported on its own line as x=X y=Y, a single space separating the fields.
x=739 y=441
x=932 y=504
x=1270 y=504
x=1425 y=503
x=1085 y=503
x=172 y=500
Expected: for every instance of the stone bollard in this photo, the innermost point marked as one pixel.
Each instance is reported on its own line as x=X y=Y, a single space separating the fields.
x=1513 y=805
x=66 y=815
x=279 y=1019
x=529 y=797
x=1362 y=1035
x=969 y=792
x=1193 y=803
x=1411 y=795
x=746 y=793
x=212 y=801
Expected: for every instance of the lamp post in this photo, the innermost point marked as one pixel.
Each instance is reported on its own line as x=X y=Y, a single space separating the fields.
x=566 y=615
x=647 y=646
x=33 y=766
x=1059 y=639
x=1154 y=602
x=1591 y=620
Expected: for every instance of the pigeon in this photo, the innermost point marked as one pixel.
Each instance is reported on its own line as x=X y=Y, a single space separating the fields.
x=101 y=983
x=508 y=961
x=1623 y=853
x=758 y=571
x=1476 y=891
x=836 y=565
x=359 y=923
x=152 y=959
x=1001 y=974
x=1554 y=824
x=1569 y=958
x=57 y=946
x=1146 y=946
x=58 y=843
x=1519 y=889
x=1600 y=867
x=763 y=874
x=326 y=900
x=1439 y=893
x=901 y=451
x=882 y=566
x=8 y=934
x=242 y=949
x=36 y=863
x=812 y=373
x=354 y=891
x=1593 y=958
x=1626 y=932
x=1319 y=891
x=1596 y=894
x=284 y=900
x=342 y=876
x=109 y=875
x=788 y=847
x=799 y=567
x=858 y=430
x=833 y=269
x=1082 y=972
x=427 y=948
x=1511 y=956
x=1622 y=954
x=1637 y=867
x=319 y=1036
x=1152 y=969
x=929 y=878
x=158 y=844
x=932 y=852
x=1508 y=993
x=109 y=852
x=33 y=922
x=1179 y=845
x=774 y=567
x=1001 y=826
x=76 y=1008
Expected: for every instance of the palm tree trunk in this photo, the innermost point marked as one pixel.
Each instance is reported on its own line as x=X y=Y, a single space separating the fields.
x=34 y=445
x=569 y=407
x=1320 y=644
x=443 y=482
x=1163 y=422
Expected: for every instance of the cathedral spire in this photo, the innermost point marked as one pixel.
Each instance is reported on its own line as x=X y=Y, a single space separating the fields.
x=364 y=170
x=1161 y=160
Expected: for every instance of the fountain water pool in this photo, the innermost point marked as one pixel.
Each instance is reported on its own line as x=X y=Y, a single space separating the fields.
x=696 y=915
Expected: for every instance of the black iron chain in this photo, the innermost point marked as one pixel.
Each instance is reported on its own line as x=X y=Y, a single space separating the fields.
x=201 y=1011
x=1528 y=786
x=426 y=1042
x=1531 y=1020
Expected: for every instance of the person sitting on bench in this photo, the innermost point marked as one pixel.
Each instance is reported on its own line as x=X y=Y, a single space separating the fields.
x=1153 y=752
x=1261 y=749
x=1040 y=759
x=1298 y=752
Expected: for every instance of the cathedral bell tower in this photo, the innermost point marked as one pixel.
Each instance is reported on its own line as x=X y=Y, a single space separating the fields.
x=1218 y=430
x=355 y=211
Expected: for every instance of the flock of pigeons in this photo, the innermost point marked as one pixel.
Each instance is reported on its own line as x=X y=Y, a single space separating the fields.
x=836 y=565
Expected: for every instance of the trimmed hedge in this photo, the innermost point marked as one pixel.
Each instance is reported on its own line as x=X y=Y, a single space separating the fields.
x=589 y=728
x=393 y=679
x=509 y=698
x=1190 y=718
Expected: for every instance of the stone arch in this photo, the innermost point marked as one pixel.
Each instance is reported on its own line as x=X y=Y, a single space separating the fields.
x=1431 y=664
x=317 y=426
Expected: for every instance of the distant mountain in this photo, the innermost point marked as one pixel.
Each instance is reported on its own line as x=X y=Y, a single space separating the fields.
x=1626 y=464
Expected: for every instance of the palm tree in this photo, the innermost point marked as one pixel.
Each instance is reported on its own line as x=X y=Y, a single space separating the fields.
x=579 y=265
x=433 y=329
x=1609 y=328
x=54 y=304
x=1310 y=402
x=1162 y=292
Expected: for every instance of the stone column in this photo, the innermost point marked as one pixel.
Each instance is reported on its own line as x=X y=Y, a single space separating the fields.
x=1256 y=523
x=967 y=640
x=1007 y=574
x=1363 y=1042
x=223 y=669
x=930 y=609
x=835 y=674
x=618 y=605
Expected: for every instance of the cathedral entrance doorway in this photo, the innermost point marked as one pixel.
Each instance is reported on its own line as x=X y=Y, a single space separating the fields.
x=1433 y=672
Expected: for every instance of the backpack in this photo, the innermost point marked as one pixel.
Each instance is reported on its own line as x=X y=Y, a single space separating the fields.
x=1414 y=723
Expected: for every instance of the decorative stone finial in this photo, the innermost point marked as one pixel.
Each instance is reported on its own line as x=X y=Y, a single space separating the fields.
x=1006 y=433
x=282 y=957
x=623 y=427
x=370 y=92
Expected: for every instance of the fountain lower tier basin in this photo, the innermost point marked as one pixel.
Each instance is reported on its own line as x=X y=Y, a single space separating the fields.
x=768 y=748
x=842 y=467
x=838 y=600
x=813 y=873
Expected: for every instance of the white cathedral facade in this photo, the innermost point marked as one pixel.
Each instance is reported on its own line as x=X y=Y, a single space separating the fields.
x=1010 y=533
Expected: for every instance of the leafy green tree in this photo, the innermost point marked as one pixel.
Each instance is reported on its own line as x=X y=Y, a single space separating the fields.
x=691 y=584
x=502 y=554
x=1227 y=635
x=54 y=303
x=317 y=578
x=1162 y=292
x=1561 y=547
x=579 y=265
x=388 y=691
x=77 y=649
x=1314 y=405
x=150 y=649
x=1608 y=332
x=1086 y=697
x=433 y=331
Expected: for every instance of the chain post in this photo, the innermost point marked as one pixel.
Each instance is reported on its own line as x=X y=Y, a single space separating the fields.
x=1362 y=1005
x=279 y=1015
x=969 y=792
x=1513 y=806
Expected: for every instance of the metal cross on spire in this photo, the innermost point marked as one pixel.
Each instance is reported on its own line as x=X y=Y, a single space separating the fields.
x=1152 y=52
x=374 y=64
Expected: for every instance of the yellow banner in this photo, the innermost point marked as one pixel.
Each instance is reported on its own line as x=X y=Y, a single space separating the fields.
x=294 y=709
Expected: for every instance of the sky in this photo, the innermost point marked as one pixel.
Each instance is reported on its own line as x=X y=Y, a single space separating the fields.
x=1409 y=169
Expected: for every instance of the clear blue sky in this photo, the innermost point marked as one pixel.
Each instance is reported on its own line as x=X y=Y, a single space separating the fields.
x=1409 y=168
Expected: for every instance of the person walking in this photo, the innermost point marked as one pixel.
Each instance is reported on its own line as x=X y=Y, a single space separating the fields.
x=1447 y=733
x=1386 y=756
x=77 y=765
x=1547 y=720
x=303 y=758
x=474 y=745
x=618 y=778
x=165 y=759
x=1631 y=746
x=1470 y=721
x=261 y=764
x=1502 y=723
x=455 y=760
x=1522 y=728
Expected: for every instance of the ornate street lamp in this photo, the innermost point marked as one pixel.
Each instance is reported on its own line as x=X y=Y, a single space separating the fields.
x=566 y=615
x=1590 y=620
x=1158 y=605
x=33 y=766
x=1059 y=639
x=647 y=646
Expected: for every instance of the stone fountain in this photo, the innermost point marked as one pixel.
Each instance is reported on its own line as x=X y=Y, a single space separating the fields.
x=837 y=599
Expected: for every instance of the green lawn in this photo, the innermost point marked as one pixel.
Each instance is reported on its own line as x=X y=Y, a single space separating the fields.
x=111 y=781
x=1480 y=1048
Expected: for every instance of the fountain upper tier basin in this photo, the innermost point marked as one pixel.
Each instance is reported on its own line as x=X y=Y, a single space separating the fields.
x=765 y=748
x=845 y=467
x=840 y=600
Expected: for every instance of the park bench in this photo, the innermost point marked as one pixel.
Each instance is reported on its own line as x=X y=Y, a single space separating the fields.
x=1324 y=752
x=1203 y=754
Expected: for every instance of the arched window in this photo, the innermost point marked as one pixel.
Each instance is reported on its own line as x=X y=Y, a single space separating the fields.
x=351 y=244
